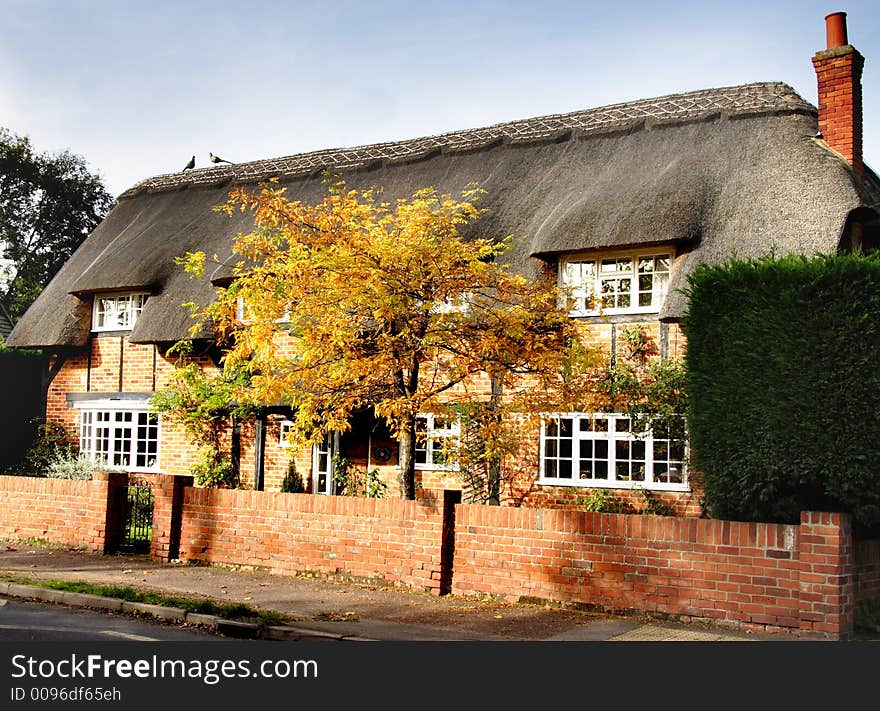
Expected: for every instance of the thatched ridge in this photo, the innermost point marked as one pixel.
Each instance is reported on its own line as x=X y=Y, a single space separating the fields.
x=715 y=172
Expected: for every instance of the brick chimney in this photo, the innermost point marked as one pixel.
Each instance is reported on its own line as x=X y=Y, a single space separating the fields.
x=839 y=72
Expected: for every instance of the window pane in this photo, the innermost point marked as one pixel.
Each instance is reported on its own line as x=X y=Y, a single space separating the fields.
x=637 y=449
x=676 y=450
x=601 y=449
x=565 y=448
x=550 y=468
x=564 y=469
x=661 y=450
x=601 y=470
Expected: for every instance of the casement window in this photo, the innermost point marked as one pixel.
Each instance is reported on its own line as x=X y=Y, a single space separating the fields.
x=436 y=442
x=606 y=450
x=285 y=430
x=615 y=283
x=117 y=312
x=122 y=437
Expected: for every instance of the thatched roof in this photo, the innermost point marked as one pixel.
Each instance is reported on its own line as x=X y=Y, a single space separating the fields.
x=718 y=172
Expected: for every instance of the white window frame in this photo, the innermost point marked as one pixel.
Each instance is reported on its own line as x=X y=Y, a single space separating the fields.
x=611 y=436
x=435 y=434
x=117 y=311
x=581 y=277
x=322 y=465
x=285 y=427
x=107 y=449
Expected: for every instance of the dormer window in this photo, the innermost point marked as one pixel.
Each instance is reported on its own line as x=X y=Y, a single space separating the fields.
x=117 y=312
x=615 y=283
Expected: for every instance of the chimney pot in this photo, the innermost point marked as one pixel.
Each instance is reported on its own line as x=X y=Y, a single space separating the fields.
x=835 y=29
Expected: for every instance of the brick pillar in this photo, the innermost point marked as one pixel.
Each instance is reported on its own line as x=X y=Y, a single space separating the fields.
x=111 y=489
x=167 y=514
x=839 y=73
x=827 y=575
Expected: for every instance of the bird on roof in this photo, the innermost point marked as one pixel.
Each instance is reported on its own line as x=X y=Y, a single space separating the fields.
x=217 y=159
x=190 y=165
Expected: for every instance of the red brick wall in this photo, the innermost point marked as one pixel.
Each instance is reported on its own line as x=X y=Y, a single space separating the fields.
x=64 y=511
x=839 y=74
x=805 y=579
x=743 y=575
x=392 y=540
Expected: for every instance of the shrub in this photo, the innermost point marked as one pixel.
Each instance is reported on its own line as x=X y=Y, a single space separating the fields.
x=50 y=444
x=293 y=482
x=72 y=466
x=604 y=501
x=784 y=388
x=213 y=470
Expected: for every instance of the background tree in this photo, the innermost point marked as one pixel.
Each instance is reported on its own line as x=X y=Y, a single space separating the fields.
x=390 y=307
x=49 y=203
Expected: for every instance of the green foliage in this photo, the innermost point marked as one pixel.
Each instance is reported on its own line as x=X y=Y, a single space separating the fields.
x=784 y=387
x=293 y=482
x=73 y=466
x=648 y=389
x=200 y=606
x=49 y=203
x=351 y=481
x=653 y=505
x=867 y=617
x=604 y=501
x=488 y=438
x=212 y=469
x=204 y=403
x=51 y=444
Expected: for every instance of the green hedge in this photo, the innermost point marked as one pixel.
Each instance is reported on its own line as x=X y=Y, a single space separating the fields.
x=783 y=365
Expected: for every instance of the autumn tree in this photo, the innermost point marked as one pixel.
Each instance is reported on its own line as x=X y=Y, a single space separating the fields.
x=354 y=302
x=49 y=203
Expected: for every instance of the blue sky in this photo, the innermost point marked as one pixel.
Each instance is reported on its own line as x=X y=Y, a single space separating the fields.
x=137 y=88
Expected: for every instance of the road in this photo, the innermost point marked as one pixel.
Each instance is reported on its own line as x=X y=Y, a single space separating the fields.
x=32 y=621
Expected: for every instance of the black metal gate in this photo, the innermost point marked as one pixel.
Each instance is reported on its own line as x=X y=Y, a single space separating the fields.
x=137 y=523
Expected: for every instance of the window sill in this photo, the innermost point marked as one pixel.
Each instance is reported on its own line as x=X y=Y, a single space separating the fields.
x=627 y=485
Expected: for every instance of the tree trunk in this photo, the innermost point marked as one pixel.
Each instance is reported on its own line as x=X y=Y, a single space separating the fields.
x=494 y=465
x=407 y=461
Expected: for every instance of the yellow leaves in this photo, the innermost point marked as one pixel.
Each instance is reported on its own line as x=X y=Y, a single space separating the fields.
x=353 y=302
x=193 y=263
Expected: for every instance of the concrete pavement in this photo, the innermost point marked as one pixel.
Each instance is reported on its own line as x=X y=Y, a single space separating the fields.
x=325 y=609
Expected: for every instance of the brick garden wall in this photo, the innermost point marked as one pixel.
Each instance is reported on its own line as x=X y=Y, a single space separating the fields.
x=744 y=575
x=74 y=513
x=393 y=540
x=804 y=578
